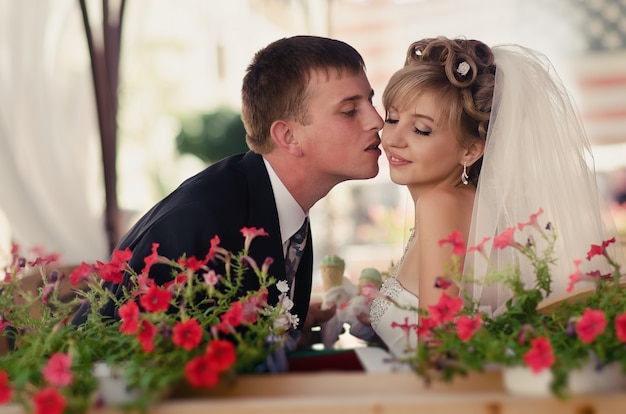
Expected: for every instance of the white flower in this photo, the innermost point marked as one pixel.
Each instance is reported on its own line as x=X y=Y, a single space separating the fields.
x=286 y=304
x=282 y=286
x=463 y=68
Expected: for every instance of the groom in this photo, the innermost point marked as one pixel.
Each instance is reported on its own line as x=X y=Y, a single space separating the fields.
x=310 y=124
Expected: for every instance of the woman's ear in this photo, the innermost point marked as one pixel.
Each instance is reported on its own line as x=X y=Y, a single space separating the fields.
x=282 y=133
x=475 y=150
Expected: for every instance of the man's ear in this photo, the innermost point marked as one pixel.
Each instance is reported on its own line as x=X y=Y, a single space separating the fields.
x=282 y=133
x=475 y=150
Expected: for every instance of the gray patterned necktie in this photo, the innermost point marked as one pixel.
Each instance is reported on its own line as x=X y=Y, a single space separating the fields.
x=295 y=249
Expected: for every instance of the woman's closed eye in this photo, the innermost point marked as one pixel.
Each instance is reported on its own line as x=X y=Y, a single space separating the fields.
x=391 y=121
x=421 y=132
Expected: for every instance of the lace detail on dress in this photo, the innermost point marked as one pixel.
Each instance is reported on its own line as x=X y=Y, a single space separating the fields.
x=390 y=287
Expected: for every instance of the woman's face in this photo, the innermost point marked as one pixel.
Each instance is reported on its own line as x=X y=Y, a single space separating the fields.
x=420 y=147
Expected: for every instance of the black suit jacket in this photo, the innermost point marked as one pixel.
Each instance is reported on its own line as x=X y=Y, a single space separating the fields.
x=228 y=195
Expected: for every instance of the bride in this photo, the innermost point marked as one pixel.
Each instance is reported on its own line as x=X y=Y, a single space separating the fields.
x=482 y=138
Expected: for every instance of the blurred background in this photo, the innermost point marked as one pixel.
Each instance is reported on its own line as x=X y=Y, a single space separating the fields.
x=79 y=164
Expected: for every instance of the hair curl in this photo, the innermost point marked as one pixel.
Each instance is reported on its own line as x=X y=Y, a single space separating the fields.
x=432 y=65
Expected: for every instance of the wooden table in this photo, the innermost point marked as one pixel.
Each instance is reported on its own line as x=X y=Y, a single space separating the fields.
x=370 y=393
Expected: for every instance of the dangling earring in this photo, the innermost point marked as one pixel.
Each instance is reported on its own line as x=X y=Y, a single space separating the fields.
x=464 y=176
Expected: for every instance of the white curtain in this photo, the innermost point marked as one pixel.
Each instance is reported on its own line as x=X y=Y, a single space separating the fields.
x=51 y=186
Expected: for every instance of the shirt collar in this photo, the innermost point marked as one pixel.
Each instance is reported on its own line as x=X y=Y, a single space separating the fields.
x=290 y=214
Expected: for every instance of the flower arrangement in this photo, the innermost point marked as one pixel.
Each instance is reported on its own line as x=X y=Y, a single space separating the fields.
x=197 y=329
x=560 y=338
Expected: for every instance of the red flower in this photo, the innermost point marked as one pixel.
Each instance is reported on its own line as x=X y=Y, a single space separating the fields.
x=590 y=325
x=5 y=389
x=113 y=271
x=456 y=239
x=442 y=282
x=80 y=273
x=574 y=277
x=146 y=336
x=250 y=233
x=58 y=370
x=424 y=326
x=221 y=354
x=466 y=327
x=505 y=239
x=151 y=259
x=596 y=250
x=144 y=283
x=231 y=318
x=200 y=373
x=215 y=241
x=188 y=334
x=620 y=327
x=446 y=309
x=49 y=401
x=540 y=355
x=110 y=273
x=191 y=263
x=155 y=299
x=129 y=313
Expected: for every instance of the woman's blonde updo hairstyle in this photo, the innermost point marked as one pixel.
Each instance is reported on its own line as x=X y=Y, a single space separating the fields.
x=440 y=66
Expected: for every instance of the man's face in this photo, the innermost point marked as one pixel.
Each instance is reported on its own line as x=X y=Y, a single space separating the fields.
x=340 y=141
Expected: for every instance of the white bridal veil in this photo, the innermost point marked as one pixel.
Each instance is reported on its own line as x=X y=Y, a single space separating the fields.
x=537 y=156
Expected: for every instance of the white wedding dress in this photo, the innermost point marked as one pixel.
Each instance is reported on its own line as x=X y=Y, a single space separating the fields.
x=384 y=313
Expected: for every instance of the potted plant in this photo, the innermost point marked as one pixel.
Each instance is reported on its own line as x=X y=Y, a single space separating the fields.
x=542 y=340
x=198 y=329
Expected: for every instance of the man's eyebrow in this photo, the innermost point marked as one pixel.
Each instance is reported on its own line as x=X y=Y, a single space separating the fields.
x=357 y=97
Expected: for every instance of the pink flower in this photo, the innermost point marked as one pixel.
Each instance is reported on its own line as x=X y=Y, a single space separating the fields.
x=590 y=325
x=458 y=244
x=406 y=328
x=446 y=309
x=532 y=221
x=58 y=370
x=505 y=239
x=466 y=327
x=620 y=327
x=210 y=278
x=574 y=277
x=540 y=355
x=480 y=247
